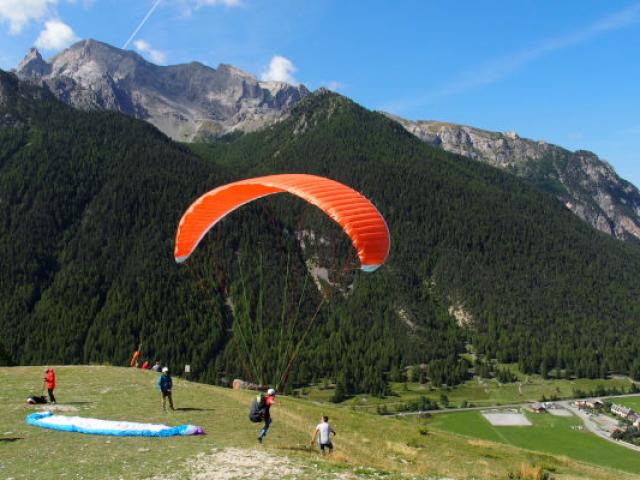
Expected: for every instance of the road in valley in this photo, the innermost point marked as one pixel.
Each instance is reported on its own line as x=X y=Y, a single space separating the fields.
x=593 y=427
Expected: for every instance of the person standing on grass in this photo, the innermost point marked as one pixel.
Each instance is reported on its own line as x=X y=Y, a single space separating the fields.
x=165 y=385
x=49 y=381
x=323 y=431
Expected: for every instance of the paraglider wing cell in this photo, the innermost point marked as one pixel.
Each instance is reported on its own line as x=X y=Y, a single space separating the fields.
x=357 y=216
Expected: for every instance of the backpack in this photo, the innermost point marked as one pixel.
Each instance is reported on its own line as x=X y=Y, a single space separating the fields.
x=165 y=384
x=256 y=411
x=36 y=400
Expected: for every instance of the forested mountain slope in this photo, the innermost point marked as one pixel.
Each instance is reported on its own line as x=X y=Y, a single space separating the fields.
x=89 y=202
x=531 y=281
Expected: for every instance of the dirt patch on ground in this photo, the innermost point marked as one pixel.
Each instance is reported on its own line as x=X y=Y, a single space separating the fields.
x=233 y=463
x=236 y=463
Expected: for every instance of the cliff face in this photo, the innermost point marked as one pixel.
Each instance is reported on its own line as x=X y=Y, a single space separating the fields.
x=587 y=185
x=187 y=102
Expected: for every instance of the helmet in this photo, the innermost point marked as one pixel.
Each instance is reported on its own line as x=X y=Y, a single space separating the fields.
x=271 y=392
x=165 y=370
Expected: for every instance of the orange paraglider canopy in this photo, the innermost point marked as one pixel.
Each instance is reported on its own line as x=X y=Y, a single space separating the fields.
x=357 y=216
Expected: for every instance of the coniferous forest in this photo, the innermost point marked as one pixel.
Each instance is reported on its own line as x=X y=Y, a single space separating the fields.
x=89 y=204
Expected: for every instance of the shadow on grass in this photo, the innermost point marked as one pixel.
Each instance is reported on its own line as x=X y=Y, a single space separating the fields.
x=11 y=439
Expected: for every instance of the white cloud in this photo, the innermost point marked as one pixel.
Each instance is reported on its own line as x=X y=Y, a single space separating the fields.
x=17 y=13
x=280 y=69
x=144 y=48
x=333 y=85
x=55 y=36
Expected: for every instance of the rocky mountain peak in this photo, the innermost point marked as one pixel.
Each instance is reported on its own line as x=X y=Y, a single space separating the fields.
x=235 y=72
x=33 y=65
x=187 y=102
x=32 y=54
x=511 y=134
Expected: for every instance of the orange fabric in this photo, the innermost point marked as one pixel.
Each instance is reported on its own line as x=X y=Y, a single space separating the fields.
x=135 y=356
x=50 y=379
x=353 y=212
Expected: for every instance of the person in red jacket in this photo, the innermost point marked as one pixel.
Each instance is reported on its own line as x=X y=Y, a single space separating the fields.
x=50 y=383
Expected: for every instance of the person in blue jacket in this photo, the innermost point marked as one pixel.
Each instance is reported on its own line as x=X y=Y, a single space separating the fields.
x=165 y=384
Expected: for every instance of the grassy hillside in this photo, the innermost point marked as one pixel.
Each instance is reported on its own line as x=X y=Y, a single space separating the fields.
x=367 y=446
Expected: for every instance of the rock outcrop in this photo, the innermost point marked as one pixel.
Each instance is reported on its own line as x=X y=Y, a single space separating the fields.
x=587 y=185
x=187 y=102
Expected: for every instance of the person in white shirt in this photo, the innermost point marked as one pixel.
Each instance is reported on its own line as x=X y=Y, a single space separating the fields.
x=322 y=432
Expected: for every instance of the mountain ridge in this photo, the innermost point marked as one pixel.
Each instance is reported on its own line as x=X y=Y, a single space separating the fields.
x=186 y=101
x=584 y=183
x=193 y=102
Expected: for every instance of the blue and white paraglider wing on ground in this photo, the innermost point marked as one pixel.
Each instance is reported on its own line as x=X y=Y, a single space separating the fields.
x=94 y=426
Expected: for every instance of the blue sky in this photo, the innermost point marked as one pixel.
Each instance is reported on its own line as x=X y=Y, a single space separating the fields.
x=565 y=71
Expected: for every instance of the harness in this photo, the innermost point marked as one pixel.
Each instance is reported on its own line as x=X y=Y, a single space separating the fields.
x=258 y=409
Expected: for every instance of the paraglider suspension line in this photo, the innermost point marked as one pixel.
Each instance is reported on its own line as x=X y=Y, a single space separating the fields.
x=199 y=281
x=285 y=374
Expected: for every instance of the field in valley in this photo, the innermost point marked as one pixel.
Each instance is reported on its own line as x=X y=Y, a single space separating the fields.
x=476 y=392
x=564 y=436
